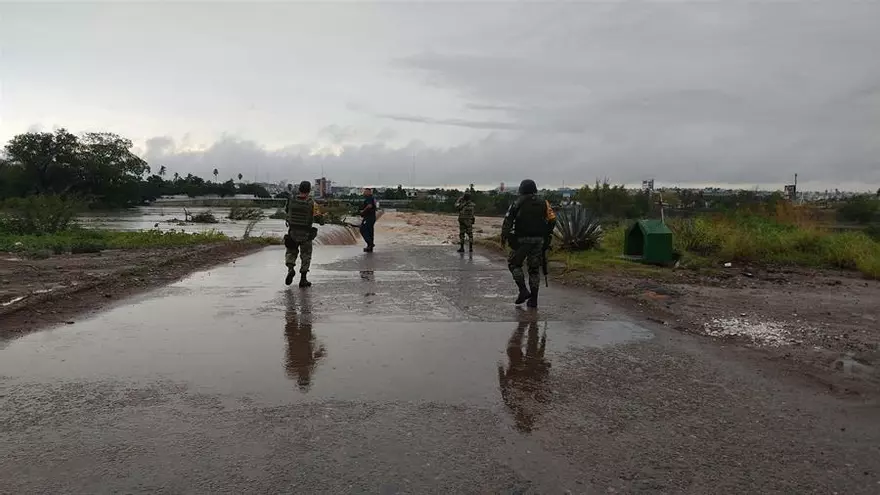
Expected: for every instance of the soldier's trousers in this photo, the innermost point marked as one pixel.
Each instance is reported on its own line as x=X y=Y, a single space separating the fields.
x=530 y=250
x=298 y=247
x=465 y=228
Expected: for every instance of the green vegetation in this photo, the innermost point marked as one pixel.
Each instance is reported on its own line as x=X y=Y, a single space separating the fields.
x=577 y=229
x=860 y=209
x=98 y=168
x=78 y=240
x=784 y=237
x=745 y=238
x=201 y=217
x=245 y=213
x=37 y=214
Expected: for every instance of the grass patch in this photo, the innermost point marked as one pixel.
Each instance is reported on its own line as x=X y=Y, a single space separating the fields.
x=90 y=241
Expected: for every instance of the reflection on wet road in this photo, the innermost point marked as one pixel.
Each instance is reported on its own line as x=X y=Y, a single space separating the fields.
x=303 y=351
x=407 y=370
x=523 y=386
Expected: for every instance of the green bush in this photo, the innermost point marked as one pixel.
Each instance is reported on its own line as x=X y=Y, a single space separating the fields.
x=245 y=213
x=861 y=209
x=203 y=217
x=40 y=214
x=697 y=235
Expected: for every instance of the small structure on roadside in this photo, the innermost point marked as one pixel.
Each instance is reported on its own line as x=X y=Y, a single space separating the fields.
x=649 y=241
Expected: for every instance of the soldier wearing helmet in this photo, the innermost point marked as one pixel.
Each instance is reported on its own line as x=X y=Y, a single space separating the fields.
x=465 y=207
x=302 y=212
x=527 y=226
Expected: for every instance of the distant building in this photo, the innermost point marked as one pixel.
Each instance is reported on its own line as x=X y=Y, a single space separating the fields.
x=322 y=188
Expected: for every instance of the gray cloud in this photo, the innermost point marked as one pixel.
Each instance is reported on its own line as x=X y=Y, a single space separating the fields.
x=487 y=124
x=693 y=92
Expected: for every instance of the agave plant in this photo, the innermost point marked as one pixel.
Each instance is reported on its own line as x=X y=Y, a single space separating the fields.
x=577 y=229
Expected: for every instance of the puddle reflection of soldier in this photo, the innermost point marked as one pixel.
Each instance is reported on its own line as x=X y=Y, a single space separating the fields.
x=522 y=387
x=303 y=351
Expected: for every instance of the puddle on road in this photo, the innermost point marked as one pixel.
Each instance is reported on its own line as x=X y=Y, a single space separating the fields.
x=293 y=356
x=366 y=335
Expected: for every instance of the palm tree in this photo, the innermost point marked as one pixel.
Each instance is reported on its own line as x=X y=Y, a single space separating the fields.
x=216 y=174
x=162 y=171
x=240 y=177
x=176 y=177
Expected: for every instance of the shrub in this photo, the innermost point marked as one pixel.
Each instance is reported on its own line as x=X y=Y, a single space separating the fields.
x=577 y=229
x=38 y=214
x=203 y=217
x=245 y=213
x=861 y=209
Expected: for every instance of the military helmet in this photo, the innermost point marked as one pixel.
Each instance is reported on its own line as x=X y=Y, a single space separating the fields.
x=305 y=186
x=528 y=186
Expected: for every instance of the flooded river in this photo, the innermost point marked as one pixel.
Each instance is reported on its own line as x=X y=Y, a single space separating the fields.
x=170 y=218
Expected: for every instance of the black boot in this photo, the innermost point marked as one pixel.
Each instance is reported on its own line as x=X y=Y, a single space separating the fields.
x=461 y=247
x=523 y=293
x=289 y=278
x=303 y=282
x=533 y=298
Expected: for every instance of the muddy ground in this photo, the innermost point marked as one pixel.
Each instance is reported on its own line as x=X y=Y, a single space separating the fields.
x=36 y=293
x=822 y=324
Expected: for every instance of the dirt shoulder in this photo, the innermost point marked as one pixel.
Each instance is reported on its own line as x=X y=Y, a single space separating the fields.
x=41 y=293
x=822 y=324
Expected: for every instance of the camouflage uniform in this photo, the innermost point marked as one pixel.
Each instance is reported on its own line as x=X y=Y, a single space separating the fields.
x=465 y=220
x=301 y=213
x=527 y=226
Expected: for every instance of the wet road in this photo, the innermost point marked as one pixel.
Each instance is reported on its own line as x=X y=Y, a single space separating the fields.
x=406 y=371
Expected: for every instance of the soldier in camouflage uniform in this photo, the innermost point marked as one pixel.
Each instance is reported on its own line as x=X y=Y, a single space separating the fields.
x=527 y=227
x=466 y=219
x=302 y=212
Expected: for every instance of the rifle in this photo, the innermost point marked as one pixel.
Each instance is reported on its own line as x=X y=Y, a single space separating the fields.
x=544 y=250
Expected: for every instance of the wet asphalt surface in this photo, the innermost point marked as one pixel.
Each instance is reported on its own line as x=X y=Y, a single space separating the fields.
x=407 y=371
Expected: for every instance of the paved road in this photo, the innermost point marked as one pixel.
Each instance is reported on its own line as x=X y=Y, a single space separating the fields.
x=406 y=371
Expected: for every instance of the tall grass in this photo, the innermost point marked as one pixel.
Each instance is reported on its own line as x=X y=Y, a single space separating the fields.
x=785 y=240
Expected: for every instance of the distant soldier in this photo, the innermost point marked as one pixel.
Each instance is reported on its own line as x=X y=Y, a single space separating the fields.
x=465 y=208
x=527 y=226
x=302 y=212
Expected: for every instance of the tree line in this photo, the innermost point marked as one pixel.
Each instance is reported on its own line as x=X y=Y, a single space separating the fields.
x=100 y=168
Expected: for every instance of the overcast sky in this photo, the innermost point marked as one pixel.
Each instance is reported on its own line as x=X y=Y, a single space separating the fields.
x=744 y=93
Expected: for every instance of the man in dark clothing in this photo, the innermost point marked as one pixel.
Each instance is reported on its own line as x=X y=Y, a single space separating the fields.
x=368 y=213
x=527 y=226
x=302 y=212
